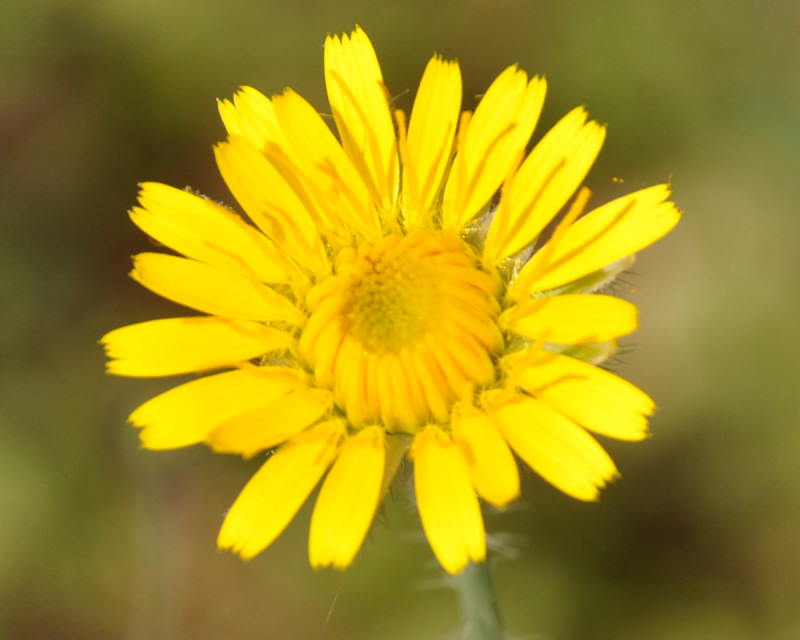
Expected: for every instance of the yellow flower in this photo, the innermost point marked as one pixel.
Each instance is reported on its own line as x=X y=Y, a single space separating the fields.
x=404 y=292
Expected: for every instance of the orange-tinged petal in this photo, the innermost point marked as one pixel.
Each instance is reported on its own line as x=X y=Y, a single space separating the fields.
x=270 y=201
x=555 y=447
x=327 y=167
x=593 y=397
x=348 y=499
x=545 y=181
x=212 y=289
x=491 y=464
x=186 y=414
x=182 y=345
x=278 y=489
x=610 y=232
x=448 y=506
x=360 y=107
x=492 y=144
x=431 y=132
x=572 y=319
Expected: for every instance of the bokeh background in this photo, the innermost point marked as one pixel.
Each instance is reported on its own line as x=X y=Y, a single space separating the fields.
x=700 y=540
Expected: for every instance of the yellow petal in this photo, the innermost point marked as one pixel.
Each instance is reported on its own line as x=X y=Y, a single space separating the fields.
x=492 y=144
x=270 y=201
x=572 y=319
x=203 y=230
x=360 y=107
x=186 y=414
x=545 y=181
x=421 y=368
x=276 y=419
x=278 y=489
x=348 y=499
x=448 y=506
x=181 y=345
x=593 y=397
x=431 y=131
x=327 y=167
x=252 y=115
x=491 y=464
x=615 y=230
x=211 y=289
x=555 y=447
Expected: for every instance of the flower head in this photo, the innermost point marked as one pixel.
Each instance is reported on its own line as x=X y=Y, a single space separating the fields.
x=405 y=292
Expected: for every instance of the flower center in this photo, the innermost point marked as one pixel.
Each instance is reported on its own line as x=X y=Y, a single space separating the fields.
x=402 y=329
x=393 y=298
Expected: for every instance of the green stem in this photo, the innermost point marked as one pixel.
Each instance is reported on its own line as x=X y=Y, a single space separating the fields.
x=479 y=613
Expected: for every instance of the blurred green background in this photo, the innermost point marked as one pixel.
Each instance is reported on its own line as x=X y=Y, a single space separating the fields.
x=700 y=540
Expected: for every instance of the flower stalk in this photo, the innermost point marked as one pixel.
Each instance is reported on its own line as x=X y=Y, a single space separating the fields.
x=480 y=616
